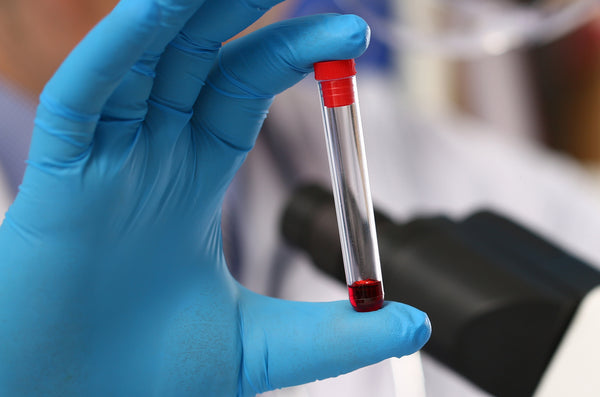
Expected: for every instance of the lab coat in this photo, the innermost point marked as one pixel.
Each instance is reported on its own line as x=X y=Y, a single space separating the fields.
x=5 y=195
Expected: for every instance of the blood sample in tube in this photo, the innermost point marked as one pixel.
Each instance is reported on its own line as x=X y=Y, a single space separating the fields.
x=350 y=182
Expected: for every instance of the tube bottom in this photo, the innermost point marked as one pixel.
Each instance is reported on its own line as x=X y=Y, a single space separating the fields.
x=366 y=295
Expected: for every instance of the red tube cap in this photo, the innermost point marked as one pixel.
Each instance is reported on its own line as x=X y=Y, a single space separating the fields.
x=333 y=70
x=336 y=82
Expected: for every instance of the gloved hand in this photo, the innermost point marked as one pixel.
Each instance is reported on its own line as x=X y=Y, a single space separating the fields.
x=112 y=275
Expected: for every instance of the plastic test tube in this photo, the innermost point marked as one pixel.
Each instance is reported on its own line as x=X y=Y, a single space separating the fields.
x=352 y=194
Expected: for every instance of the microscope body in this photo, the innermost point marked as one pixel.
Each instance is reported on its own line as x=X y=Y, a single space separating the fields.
x=511 y=312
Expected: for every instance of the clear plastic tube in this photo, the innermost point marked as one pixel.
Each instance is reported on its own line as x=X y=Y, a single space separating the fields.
x=350 y=180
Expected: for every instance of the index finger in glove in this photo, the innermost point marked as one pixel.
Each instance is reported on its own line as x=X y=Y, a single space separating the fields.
x=252 y=69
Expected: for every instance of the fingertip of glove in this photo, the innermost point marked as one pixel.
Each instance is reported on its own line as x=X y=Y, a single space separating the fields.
x=411 y=325
x=421 y=327
x=423 y=332
x=356 y=31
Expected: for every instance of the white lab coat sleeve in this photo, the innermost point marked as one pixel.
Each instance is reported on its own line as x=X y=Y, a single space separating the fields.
x=5 y=195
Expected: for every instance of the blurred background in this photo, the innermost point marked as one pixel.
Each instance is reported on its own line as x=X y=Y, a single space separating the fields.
x=527 y=68
x=466 y=104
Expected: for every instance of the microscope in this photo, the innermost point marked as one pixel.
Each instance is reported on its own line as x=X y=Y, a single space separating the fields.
x=513 y=313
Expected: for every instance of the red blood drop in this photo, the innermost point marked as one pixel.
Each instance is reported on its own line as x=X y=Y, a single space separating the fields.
x=366 y=295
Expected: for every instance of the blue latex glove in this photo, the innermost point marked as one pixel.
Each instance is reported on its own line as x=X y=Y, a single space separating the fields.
x=112 y=275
